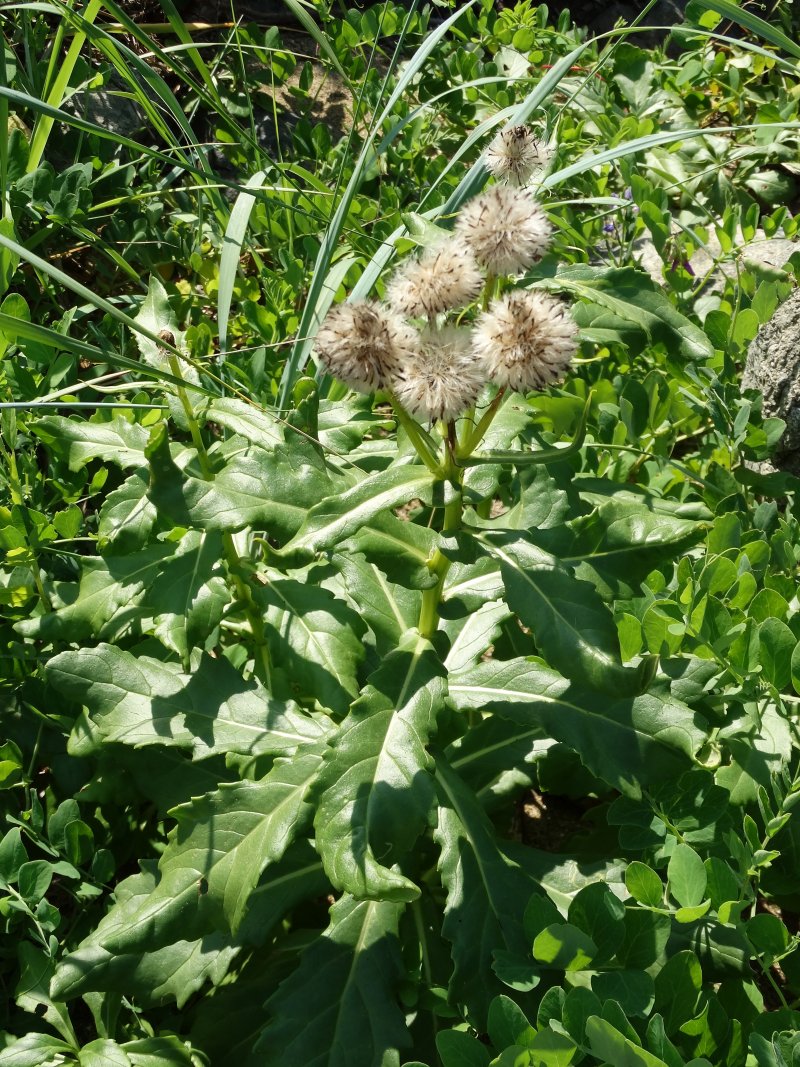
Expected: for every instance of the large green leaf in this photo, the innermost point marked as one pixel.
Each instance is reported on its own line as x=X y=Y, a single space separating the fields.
x=315 y=639
x=339 y=1008
x=177 y=951
x=377 y=789
x=254 y=487
x=190 y=594
x=496 y=757
x=486 y=893
x=628 y=300
x=388 y=609
x=618 y=545
x=259 y=427
x=106 y=599
x=401 y=549
x=208 y=872
x=628 y=742
x=127 y=515
x=118 y=441
x=334 y=519
x=571 y=625
x=138 y=701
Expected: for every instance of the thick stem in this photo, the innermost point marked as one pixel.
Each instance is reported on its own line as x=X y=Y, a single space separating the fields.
x=439 y=564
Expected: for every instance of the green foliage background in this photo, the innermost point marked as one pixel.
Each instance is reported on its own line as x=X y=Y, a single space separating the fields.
x=251 y=813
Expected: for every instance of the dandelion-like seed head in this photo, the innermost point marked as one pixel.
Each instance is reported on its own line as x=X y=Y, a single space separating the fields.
x=444 y=379
x=526 y=340
x=442 y=278
x=516 y=154
x=364 y=344
x=505 y=229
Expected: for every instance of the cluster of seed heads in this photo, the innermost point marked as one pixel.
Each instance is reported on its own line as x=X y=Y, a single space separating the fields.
x=524 y=340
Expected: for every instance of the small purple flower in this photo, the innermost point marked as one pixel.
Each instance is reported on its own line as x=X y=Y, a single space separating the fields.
x=628 y=194
x=609 y=227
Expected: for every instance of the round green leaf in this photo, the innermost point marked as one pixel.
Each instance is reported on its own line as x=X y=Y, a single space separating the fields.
x=768 y=934
x=564 y=946
x=644 y=885
x=34 y=879
x=687 y=876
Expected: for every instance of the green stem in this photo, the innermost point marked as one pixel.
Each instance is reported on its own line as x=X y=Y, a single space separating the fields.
x=188 y=410
x=488 y=291
x=439 y=564
x=423 y=445
x=477 y=434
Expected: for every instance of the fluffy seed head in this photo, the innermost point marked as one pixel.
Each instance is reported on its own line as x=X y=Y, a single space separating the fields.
x=442 y=278
x=526 y=340
x=516 y=154
x=505 y=228
x=444 y=379
x=364 y=345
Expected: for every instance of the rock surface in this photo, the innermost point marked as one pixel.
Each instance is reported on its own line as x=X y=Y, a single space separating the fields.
x=773 y=368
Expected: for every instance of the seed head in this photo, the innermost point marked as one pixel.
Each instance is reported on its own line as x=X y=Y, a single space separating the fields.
x=364 y=344
x=442 y=278
x=526 y=340
x=444 y=379
x=516 y=154
x=505 y=228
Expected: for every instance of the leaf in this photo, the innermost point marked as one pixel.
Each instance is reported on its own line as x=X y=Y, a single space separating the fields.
x=486 y=893
x=629 y=296
x=573 y=628
x=273 y=489
x=212 y=863
x=190 y=594
x=176 y=950
x=622 y=541
x=376 y=789
x=33 y=989
x=564 y=947
x=597 y=912
x=631 y=989
x=33 y=1050
x=777 y=644
x=610 y=1046
x=497 y=756
x=401 y=549
x=127 y=515
x=629 y=743
x=687 y=876
x=137 y=701
x=458 y=1049
x=315 y=639
x=336 y=518
x=108 y=598
x=678 y=985
x=350 y=975
x=388 y=609
x=259 y=427
x=471 y=637
x=644 y=885
x=117 y=441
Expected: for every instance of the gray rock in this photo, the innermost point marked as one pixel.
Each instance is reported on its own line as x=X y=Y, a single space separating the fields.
x=773 y=368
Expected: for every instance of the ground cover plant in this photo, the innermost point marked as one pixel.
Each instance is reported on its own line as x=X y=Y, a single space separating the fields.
x=366 y=498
